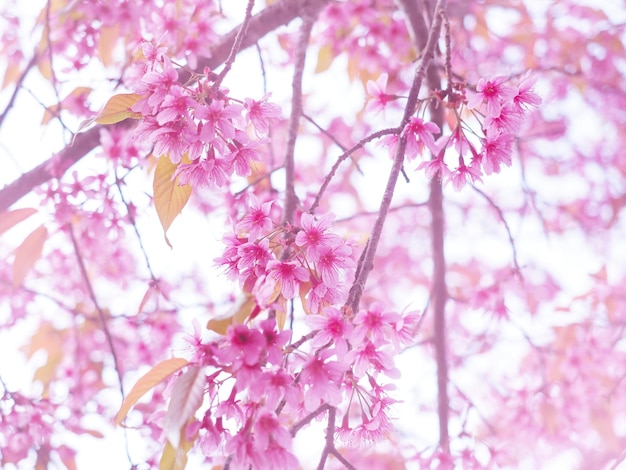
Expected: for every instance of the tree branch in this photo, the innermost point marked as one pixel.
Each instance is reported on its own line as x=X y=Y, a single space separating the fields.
x=272 y=17
x=366 y=264
x=291 y=200
x=439 y=294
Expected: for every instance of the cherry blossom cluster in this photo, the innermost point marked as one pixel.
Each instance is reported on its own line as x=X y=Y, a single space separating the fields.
x=270 y=260
x=499 y=108
x=207 y=134
x=262 y=388
x=25 y=430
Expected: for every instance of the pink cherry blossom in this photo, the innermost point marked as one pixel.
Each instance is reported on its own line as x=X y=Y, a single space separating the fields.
x=288 y=275
x=262 y=113
x=420 y=134
x=331 y=327
x=493 y=93
x=497 y=149
x=526 y=97
x=314 y=234
x=378 y=98
x=257 y=220
x=321 y=379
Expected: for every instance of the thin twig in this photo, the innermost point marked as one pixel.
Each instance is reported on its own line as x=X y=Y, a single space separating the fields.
x=308 y=418
x=291 y=200
x=356 y=291
x=506 y=226
x=18 y=86
x=236 y=45
x=343 y=157
x=269 y=19
x=333 y=138
x=103 y=321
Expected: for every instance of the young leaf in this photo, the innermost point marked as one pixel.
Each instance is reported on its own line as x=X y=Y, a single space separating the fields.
x=169 y=197
x=324 y=58
x=186 y=399
x=175 y=458
x=118 y=108
x=14 y=217
x=236 y=315
x=147 y=382
x=28 y=253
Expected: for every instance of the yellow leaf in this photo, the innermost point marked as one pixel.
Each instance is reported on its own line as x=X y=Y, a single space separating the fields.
x=11 y=74
x=236 y=315
x=147 y=382
x=169 y=196
x=46 y=373
x=175 y=458
x=53 y=110
x=324 y=58
x=146 y=297
x=14 y=217
x=106 y=43
x=118 y=108
x=28 y=253
x=602 y=421
x=186 y=398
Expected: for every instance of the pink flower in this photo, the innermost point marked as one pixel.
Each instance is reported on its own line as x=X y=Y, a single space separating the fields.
x=288 y=275
x=321 y=380
x=257 y=221
x=218 y=120
x=526 y=97
x=254 y=256
x=420 y=134
x=405 y=330
x=509 y=121
x=331 y=328
x=278 y=457
x=273 y=387
x=173 y=139
x=314 y=235
x=497 y=149
x=175 y=106
x=267 y=428
x=378 y=99
x=493 y=93
x=461 y=175
x=374 y=324
x=435 y=168
x=274 y=341
x=262 y=113
x=205 y=172
x=244 y=152
x=367 y=356
x=332 y=261
x=242 y=344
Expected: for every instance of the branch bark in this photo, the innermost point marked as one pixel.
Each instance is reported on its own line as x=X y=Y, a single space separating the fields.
x=439 y=294
x=366 y=263
x=264 y=22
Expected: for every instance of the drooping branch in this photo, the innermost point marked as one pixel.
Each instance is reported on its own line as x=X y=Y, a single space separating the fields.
x=366 y=264
x=439 y=293
x=264 y=22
